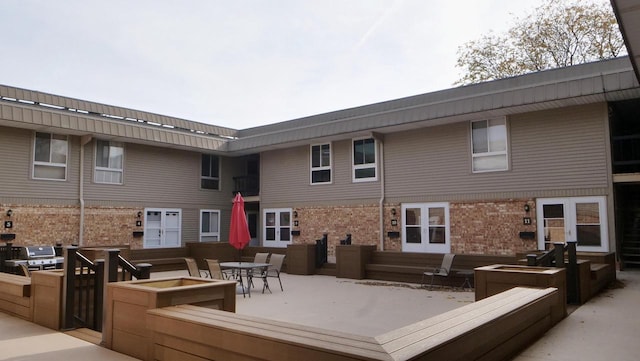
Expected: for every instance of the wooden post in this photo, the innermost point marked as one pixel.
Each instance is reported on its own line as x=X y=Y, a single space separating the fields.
x=69 y=286
x=111 y=265
x=559 y=254
x=98 y=295
x=573 y=281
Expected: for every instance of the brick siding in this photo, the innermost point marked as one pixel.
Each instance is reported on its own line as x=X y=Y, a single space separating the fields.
x=48 y=225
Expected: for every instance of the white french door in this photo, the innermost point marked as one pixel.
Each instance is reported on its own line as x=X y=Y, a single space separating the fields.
x=425 y=227
x=162 y=228
x=277 y=227
x=581 y=219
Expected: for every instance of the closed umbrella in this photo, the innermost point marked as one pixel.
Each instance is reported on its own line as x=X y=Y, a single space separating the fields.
x=239 y=235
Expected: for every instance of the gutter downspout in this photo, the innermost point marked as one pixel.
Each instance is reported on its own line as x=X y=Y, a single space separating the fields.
x=380 y=138
x=84 y=140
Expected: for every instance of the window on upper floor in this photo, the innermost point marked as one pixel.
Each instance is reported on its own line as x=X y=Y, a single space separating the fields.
x=50 y=156
x=109 y=162
x=210 y=177
x=364 y=160
x=489 y=145
x=321 y=163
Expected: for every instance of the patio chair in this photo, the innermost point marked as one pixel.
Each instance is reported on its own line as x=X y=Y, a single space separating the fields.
x=443 y=271
x=25 y=270
x=260 y=257
x=273 y=271
x=192 y=267
x=215 y=271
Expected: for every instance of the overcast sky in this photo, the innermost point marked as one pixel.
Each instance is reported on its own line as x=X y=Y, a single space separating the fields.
x=242 y=63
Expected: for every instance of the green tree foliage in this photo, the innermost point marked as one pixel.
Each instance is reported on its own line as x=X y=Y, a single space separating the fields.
x=556 y=34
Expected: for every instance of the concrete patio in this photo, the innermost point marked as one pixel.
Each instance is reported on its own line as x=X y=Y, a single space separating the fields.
x=598 y=330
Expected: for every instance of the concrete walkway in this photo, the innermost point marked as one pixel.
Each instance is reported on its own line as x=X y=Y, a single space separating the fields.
x=606 y=328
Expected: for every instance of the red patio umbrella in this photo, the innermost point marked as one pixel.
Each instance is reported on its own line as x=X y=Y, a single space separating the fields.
x=239 y=235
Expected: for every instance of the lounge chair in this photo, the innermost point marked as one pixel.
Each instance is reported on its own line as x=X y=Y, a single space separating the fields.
x=443 y=271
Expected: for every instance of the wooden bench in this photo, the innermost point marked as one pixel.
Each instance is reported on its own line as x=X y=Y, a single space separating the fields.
x=495 y=328
x=409 y=266
x=15 y=295
x=161 y=259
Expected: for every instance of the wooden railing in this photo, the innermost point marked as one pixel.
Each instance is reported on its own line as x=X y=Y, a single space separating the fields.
x=83 y=290
x=556 y=258
x=85 y=283
x=246 y=185
x=8 y=252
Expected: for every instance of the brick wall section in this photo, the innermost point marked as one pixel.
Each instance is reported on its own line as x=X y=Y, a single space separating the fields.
x=491 y=227
x=487 y=227
x=361 y=221
x=43 y=225
x=112 y=227
x=48 y=225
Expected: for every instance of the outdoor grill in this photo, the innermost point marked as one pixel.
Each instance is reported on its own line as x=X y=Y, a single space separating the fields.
x=36 y=258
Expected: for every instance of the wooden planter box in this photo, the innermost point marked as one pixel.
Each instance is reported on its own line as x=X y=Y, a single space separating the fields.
x=491 y=280
x=125 y=326
x=301 y=259
x=46 y=291
x=351 y=260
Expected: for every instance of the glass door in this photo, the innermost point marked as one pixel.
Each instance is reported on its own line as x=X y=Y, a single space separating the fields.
x=277 y=227
x=425 y=227
x=162 y=228
x=581 y=219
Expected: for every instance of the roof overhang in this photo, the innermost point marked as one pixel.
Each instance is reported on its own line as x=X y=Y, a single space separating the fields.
x=26 y=109
x=603 y=81
x=628 y=15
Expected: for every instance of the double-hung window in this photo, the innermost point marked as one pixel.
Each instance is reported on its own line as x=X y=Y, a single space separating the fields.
x=321 y=163
x=209 y=225
x=364 y=160
x=109 y=162
x=210 y=177
x=489 y=145
x=50 y=156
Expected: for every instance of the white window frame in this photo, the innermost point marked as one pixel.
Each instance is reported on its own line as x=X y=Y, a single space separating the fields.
x=210 y=234
x=356 y=167
x=49 y=163
x=110 y=168
x=571 y=223
x=203 y=177
x=424 y=225
x=321 y=167
x=490 y=152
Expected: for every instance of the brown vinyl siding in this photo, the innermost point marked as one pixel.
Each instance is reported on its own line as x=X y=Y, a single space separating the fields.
x=551 y=152
x=286 y=179
x=16 y=162
x=153 y=177
x=165 y=178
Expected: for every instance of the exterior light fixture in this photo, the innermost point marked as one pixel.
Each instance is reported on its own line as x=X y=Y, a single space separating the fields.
x=295 y=214
x=9 y=213
x=393 y=211
x=527 y=208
